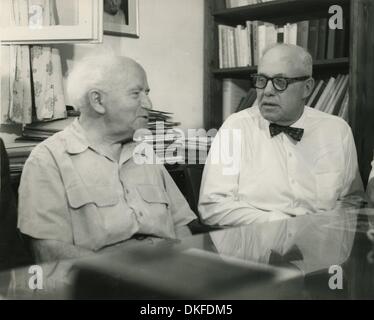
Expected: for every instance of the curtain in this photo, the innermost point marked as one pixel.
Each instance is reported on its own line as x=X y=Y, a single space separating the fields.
x=35 y=75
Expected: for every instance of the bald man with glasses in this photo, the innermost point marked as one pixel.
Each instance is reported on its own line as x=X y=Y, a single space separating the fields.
x=289 y=159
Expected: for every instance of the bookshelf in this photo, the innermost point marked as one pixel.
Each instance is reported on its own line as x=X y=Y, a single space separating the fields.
x=359 y=64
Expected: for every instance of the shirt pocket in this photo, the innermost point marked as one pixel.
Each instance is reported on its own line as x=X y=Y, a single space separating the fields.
x=100 y=196
x=153 y=215
x=153 y=194
x=97 y=220
x=328 y=187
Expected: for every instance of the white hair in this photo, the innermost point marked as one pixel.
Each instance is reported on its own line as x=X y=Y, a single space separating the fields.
x=102 y=72
x=305 y=57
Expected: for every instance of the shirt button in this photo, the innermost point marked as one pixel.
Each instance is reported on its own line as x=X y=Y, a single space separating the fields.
x=140 y=214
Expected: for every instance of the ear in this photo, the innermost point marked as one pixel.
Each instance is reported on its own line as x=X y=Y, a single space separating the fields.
x=96 y=97
x=309 y=86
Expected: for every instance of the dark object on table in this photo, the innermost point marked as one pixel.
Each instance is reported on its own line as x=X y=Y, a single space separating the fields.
x=13 y=252
x=156 y=273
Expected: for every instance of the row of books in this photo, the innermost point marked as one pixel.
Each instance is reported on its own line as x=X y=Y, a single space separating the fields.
x=32 y=134
x=18 y=152
x=243 y=46
x=39 y=131
x=321 y=41
x=240 y=3
x=330 y=96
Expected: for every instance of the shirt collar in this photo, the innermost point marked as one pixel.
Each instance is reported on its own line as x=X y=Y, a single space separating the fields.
x=300 y=123
x=76 y=142
x=127 y=152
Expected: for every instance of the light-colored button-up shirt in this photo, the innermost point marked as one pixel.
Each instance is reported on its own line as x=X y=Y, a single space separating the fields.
x=276 y=177
x=370 y=187
x=74 y=192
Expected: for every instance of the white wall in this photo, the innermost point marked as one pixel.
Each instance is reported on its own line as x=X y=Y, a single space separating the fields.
x=170 y=48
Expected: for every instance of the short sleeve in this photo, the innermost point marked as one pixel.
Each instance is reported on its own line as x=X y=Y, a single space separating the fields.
x=43 y=210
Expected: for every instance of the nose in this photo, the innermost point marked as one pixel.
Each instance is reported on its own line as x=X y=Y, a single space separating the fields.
x=146 y=102
x=269 y=89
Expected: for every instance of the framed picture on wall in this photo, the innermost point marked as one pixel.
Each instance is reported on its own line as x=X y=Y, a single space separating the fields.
x=121 y=17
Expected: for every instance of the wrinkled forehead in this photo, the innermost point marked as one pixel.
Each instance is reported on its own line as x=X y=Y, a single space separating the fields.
x=281 y=61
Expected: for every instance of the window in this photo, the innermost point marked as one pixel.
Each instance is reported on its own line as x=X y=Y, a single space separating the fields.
x=72 y=21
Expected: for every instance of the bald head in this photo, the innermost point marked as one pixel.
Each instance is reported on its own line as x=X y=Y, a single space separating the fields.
x=297 y=58
x=104 y=73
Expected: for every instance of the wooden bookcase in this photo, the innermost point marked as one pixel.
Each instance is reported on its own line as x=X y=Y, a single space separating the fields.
x=359 y=64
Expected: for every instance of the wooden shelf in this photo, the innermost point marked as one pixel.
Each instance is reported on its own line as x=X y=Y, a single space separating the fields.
x=279 y=11
x=319 y=65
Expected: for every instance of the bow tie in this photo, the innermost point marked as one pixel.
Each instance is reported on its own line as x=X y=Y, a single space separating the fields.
x=294 y=133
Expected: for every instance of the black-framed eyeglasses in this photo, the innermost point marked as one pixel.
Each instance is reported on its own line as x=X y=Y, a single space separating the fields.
x=260 y=81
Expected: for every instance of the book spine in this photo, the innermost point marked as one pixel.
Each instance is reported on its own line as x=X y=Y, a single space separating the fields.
x=313 y=37
x=330 y=44
x=322 y=39
x=302 y=34
x=325 y=93
x=250 y=41
x=255 y=41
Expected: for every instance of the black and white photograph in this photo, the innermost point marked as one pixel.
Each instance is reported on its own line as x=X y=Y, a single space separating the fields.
x=187 y=157
x=121 y=17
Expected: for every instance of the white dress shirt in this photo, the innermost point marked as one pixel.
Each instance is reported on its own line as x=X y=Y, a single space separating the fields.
x=272 y=178
x=370 y=187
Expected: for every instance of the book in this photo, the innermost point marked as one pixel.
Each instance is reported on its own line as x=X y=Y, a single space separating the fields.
x=292 y=33
x=255 y=24
x=340 y=35
x=330 y=51
x=343 y=113
x=337 y=104
x=302 y=34
x=238 y=47
x=318 y=95
x=322 y=39
x=250 y=43
x=328 y=105
x=325 y=93
x=221 y=45
x=231 y=47
x=317 y=86
x=313 y=37
x=245 y=48
x=261 y=40
x=232 y=92
x=270 y=35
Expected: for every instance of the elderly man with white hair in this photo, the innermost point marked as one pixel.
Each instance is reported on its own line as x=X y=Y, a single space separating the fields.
x=81 y=190
x=292 y=160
